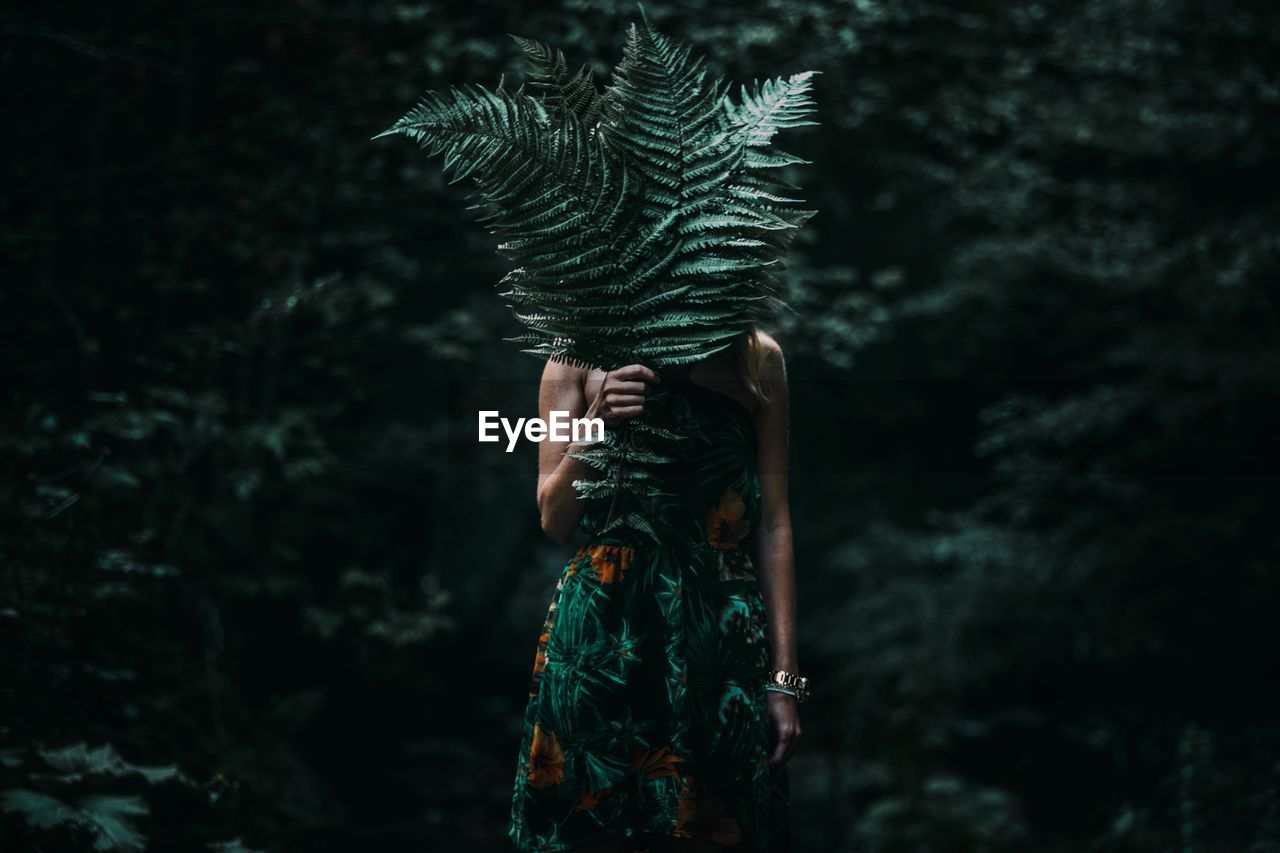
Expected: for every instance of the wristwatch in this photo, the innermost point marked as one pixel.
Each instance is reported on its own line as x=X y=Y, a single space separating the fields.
x=781 y=681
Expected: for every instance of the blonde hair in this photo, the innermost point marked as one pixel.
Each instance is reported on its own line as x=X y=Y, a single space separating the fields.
x=752 y=357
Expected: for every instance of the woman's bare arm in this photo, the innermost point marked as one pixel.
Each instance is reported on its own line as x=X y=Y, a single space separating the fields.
x=561 y=390
x=616 y=396
x=777 y=562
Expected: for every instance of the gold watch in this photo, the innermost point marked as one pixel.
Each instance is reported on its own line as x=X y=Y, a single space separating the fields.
x=782 y=681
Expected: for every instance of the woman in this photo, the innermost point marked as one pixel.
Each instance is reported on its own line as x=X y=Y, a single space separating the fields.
x=649 y=724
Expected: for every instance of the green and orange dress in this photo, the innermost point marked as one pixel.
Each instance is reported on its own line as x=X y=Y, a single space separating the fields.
x=646 y=716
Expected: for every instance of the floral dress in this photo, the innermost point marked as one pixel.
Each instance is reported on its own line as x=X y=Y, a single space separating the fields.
x=646 y=715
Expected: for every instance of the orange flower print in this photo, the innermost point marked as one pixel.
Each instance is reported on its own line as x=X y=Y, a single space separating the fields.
x=579 y=557
x=657 y=764
x=726 y=831
x=610 y=562
x=590 y=799
x=546 y=759
x=686 y=809
x=725 y=525
x=540 y=659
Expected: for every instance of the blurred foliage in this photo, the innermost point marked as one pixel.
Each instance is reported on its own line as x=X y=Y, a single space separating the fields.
x=260 y=588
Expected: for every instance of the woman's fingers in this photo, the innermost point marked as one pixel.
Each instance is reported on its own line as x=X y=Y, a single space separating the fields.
x=622 y=413
x=786 y=729
x=784 y=746
x=623 y=391
x=623 y=387
x=634 y=372
x=781 y=752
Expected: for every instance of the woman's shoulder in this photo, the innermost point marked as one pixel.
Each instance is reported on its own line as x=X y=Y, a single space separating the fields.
x=773 y=368
x=560 y=371
x=562 y=367
x=563 y=383
x=769 y=343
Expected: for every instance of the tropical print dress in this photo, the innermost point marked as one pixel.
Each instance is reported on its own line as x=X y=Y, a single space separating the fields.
x=646 y=715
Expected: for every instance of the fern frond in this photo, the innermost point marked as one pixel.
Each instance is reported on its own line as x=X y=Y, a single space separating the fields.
x=766 y=109
x=557 y=86
x=647 y=222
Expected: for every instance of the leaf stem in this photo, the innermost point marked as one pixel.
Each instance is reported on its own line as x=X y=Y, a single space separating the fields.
x=625 y=444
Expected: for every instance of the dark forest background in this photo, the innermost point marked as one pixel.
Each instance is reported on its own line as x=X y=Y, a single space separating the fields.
x=260 y=589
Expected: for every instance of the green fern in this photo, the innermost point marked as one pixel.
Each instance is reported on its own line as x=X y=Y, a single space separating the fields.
x=74 y=794
x=647 y=222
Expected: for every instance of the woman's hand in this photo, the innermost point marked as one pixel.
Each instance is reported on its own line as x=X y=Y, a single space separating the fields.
x=621 y=395
x=784 y=718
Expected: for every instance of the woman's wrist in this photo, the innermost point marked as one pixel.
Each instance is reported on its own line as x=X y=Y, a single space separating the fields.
x=575 y=468
x=593 y=413
x=786 y=662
